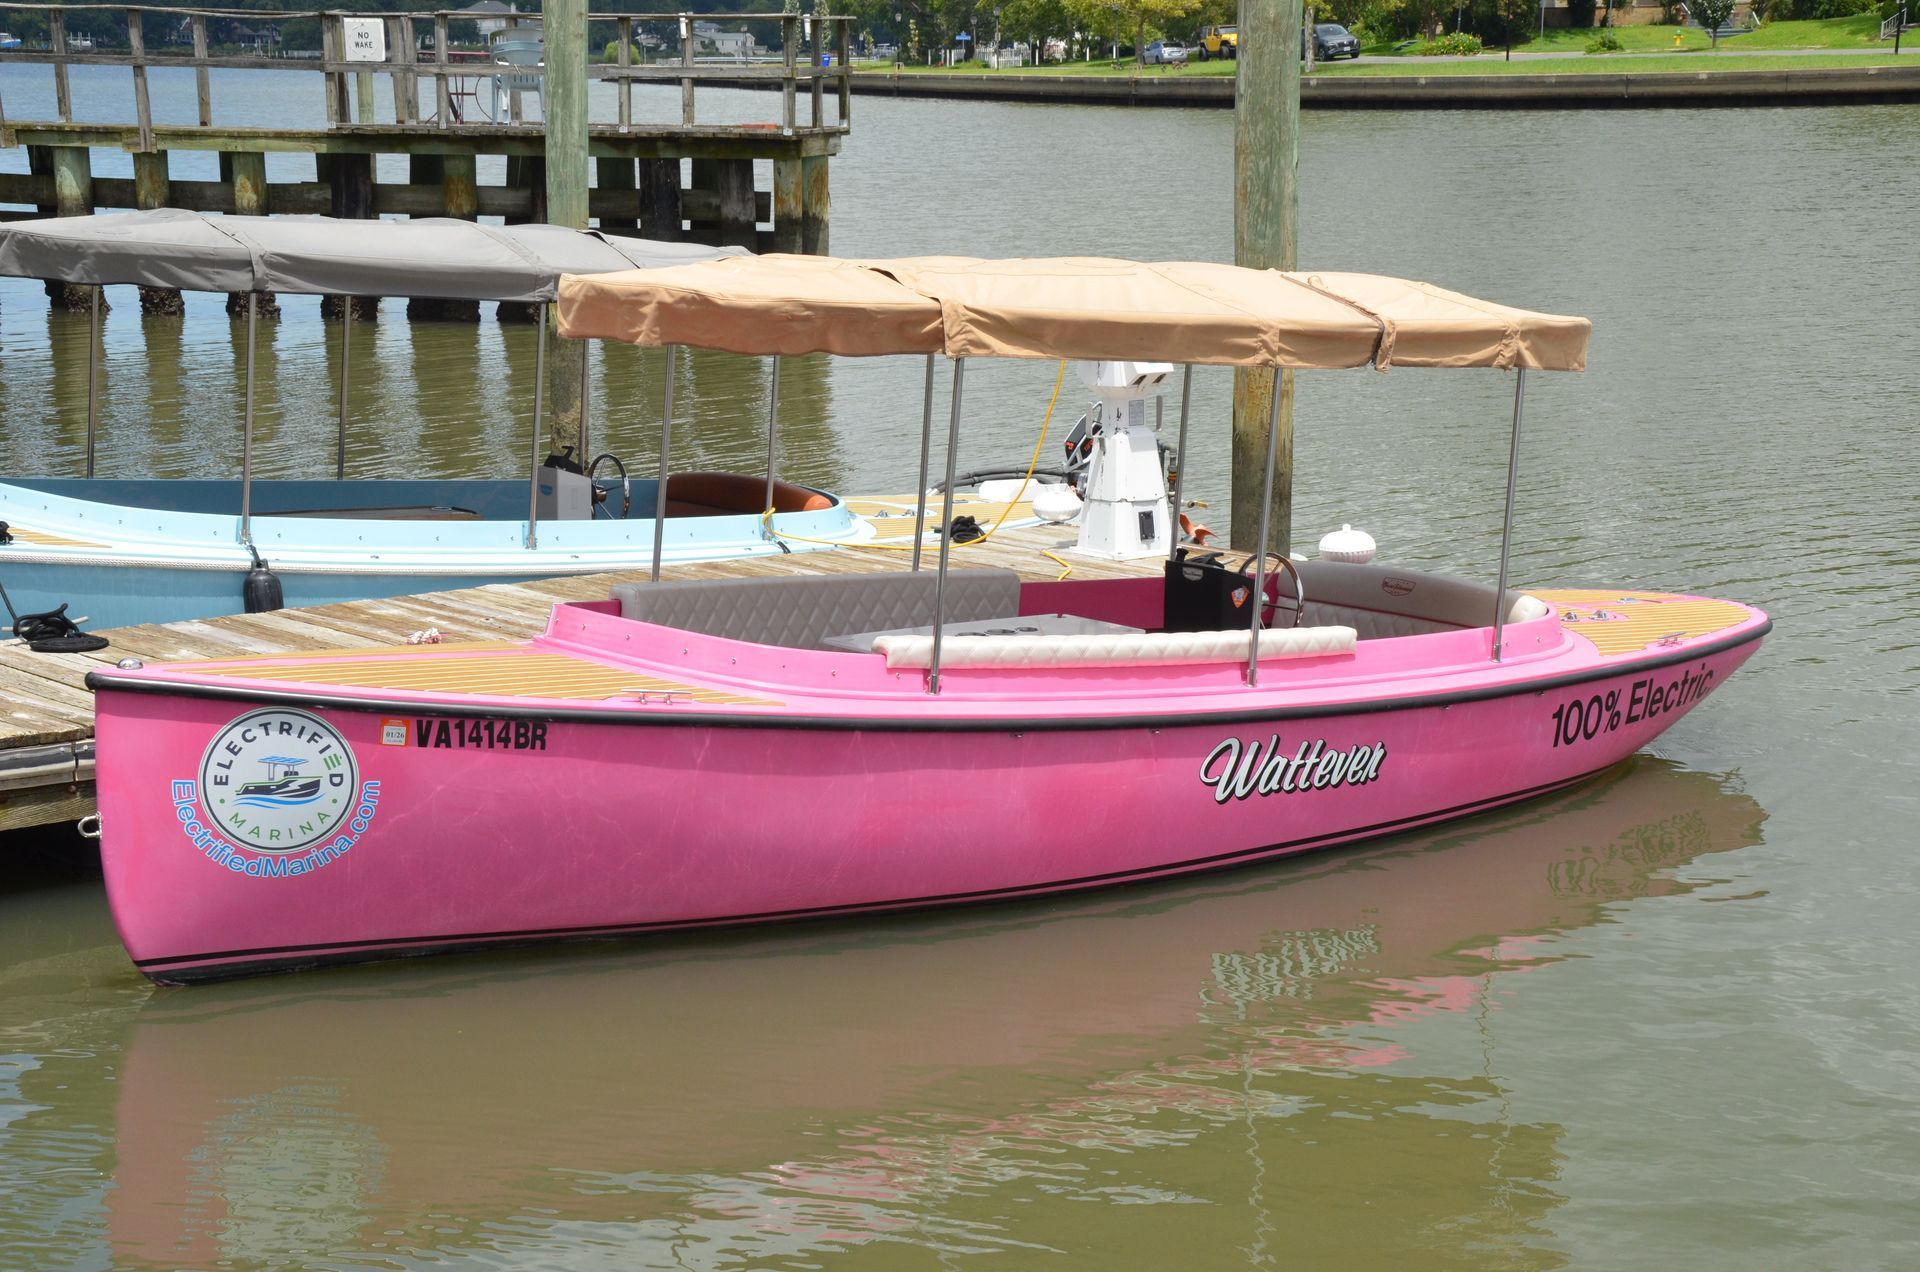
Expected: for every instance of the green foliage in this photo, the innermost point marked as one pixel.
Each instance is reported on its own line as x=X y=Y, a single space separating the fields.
x=1505 y=22
x=1710 y=14
x=1580 y=13
x=1458 y=44
x=1605 y=42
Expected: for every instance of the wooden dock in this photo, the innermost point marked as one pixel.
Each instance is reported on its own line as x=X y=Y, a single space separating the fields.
x=46 y=710
x=453 y=92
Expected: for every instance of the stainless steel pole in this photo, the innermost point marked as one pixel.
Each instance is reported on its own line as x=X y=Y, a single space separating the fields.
x=585 y=457
x=1180 y=458
x=246 y=428
x=1506 y=527
x=666 y=451
x=93 y=378
x=1259 y=598
x=946 y=526
x=539 y=428
x=773 y=440
x=926 y=449
x=346 y=379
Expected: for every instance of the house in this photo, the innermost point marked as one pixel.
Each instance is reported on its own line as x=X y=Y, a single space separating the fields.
x=708 y=38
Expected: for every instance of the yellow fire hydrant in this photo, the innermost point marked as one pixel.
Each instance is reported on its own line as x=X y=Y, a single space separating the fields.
x=1679 y=38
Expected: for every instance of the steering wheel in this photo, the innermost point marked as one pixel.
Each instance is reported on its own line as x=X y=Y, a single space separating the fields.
x=1275 y=601
x=602 y=492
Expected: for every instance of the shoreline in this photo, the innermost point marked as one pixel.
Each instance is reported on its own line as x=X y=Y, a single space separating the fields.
x=1610 y=90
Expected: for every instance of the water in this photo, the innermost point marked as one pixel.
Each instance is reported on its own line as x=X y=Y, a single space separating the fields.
x=1664 y=1020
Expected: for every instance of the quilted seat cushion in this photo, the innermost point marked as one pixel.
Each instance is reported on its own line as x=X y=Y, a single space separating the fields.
x=801 y=611
x=1151 y=649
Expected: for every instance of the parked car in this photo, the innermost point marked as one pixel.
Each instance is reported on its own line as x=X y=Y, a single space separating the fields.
x=1331 y=40
x=1166 y=53
x=1219 y=41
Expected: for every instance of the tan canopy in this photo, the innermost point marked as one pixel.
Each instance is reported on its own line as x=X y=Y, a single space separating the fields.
x=1069 y=307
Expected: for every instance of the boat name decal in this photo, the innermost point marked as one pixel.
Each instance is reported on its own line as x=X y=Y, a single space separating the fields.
x=1236 y=769
x=277 y=782
x=1584 y=719
x=496 y=735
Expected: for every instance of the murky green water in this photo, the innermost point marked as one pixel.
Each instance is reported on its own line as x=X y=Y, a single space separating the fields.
x=1668 y=1019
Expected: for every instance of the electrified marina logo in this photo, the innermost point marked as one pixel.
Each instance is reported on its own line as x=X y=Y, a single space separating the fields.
x=1237 y=769
x=277 y=782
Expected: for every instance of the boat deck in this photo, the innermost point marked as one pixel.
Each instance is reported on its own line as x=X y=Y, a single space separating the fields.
x=46 y=710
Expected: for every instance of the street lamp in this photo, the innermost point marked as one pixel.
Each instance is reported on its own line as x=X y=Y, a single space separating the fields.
x=899 y=39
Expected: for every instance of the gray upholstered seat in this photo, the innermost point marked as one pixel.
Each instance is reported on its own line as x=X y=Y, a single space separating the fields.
x=801 y=611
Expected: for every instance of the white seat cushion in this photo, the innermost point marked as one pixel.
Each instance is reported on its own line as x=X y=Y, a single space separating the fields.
x=1151 y=649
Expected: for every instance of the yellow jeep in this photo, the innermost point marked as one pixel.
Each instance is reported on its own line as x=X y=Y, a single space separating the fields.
x=1219 y=41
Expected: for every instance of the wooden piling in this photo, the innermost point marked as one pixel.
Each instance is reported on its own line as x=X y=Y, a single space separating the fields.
x=733 y=182
x=660 y=215
x=788 y=202
x=152 y=189
x=563 y=101
x=72 y=196
x=817 y=205
x=246 y=172
x=1266 y=139
x=615 y=177
x=460 y=187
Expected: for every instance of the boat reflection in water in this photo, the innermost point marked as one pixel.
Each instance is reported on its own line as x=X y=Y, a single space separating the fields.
x=795 y=1093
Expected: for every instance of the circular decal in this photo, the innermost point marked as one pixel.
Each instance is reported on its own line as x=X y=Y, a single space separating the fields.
x=277 y=780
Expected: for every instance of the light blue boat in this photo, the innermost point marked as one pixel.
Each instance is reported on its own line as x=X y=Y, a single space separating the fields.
x=125 y=552
x=121 y=552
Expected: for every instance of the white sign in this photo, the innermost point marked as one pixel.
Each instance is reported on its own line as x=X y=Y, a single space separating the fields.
x=365 y=39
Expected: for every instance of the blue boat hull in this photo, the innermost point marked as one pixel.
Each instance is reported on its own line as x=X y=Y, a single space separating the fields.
x=120 y=553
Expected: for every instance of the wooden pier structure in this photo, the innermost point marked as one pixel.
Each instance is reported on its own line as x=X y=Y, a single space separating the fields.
x=46 y=710
x=447 y=103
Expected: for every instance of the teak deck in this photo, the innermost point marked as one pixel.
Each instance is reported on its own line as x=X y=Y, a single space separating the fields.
x=46 y=711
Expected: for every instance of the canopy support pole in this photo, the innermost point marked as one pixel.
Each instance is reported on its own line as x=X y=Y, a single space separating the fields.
x=773 y=442
x=1506 y=527
x=926 y=454
x=346 y=379
x=246 y=428
x=1180 y=458
x=946 y=526
x=93 y=378
x=585 y=458
x=1259 y=598
x=666 y=451
x=539 y=428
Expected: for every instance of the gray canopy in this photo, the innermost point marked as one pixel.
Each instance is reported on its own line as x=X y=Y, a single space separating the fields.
x=437 y=258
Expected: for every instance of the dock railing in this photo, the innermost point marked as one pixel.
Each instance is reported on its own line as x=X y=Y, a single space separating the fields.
x=434 y=81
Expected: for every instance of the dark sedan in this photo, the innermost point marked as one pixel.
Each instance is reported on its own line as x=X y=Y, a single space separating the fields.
x=1331 y=40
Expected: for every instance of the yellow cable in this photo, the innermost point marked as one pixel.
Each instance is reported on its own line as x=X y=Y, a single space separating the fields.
x=766 y=518
x=1066 y=567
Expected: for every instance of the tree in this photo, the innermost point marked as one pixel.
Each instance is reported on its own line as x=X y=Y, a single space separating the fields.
x=1122 y=19
x=1507 y=19
x=1712 y=14
x=1035 y=21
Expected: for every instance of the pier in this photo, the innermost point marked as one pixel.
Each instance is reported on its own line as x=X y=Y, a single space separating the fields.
x=456 y=88
x=46 y=720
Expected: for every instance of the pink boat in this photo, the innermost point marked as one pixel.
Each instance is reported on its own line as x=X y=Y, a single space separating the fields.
x=721 y=751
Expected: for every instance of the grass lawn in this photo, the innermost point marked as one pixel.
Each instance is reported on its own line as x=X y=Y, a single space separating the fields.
x=1100 y=66
x=1858 y=32
x=1684 y=62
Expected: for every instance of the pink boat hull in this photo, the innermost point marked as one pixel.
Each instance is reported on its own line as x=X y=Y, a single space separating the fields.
x=473 y=825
